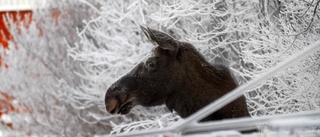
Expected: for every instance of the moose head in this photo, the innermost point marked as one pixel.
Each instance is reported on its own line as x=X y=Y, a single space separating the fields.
x=175 y=74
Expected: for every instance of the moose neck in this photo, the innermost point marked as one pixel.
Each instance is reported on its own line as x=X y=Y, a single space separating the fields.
x=201 y=83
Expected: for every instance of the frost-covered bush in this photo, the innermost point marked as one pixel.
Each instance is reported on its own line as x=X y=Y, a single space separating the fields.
x=61 y=69
x=42 y=78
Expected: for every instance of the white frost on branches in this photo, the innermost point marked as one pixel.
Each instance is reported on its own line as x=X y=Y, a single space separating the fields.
x=61 y=69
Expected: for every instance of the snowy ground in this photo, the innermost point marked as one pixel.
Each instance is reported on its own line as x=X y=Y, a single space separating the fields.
x=291 y=133
x=233 y=133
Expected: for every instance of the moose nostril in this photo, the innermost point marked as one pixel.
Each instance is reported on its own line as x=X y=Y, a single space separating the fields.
x=113 y=111
x=111 y=106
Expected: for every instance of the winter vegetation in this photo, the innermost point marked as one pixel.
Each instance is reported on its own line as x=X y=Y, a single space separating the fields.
x=62 y=62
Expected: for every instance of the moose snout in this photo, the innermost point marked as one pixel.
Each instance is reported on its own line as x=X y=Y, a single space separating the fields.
x=119 y=104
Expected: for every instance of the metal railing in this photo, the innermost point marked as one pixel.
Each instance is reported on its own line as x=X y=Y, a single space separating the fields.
x=192 y=125
x=18 y=5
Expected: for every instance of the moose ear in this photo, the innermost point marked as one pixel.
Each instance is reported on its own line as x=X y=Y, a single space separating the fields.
x=166 y=42
x=149 y=34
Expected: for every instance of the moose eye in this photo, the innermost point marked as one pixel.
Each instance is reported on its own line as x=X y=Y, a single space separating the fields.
x=151 y=64
x=169 y=41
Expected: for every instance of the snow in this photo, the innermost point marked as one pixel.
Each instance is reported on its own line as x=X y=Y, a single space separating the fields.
x=262 y=134
x=294 y=123
x=5 y=118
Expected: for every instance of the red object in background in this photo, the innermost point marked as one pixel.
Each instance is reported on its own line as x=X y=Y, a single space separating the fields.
x=6 y=106
x=6 y=101
x=6 y=37
x=4 y=33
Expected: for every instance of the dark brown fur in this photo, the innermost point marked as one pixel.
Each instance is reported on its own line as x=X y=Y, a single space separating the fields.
x=178 y=76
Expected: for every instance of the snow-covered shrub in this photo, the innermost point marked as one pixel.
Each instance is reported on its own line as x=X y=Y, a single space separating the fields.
x=41 y=76
x=61 y=69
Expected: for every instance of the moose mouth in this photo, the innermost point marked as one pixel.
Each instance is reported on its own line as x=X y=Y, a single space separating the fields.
x=125 y=108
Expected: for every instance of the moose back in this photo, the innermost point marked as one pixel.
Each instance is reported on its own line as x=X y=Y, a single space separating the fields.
x=177 y=75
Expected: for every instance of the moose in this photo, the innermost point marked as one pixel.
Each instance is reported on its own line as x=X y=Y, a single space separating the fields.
x=177 y=75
